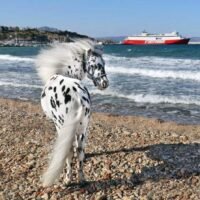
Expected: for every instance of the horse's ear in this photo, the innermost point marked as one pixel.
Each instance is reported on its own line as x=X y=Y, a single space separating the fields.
x=89 y=52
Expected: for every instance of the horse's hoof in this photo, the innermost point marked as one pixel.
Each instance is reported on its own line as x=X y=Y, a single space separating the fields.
x=83 y=183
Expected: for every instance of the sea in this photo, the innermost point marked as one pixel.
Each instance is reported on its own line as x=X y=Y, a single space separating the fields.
x=154 y=81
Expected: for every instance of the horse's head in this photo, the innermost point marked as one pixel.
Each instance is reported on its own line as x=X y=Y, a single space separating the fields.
x=95 y=68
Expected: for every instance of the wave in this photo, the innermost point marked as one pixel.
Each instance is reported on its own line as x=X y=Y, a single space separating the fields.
x=15 y=58
x=149 y=98
x=19 y=85
x=155 y=67
x=155 y=73
x=152 y=62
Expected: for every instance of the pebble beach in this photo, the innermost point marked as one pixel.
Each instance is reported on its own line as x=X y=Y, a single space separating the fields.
x=127 y=157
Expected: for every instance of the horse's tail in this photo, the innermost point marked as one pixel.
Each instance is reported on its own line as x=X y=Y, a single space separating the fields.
x=61 y=150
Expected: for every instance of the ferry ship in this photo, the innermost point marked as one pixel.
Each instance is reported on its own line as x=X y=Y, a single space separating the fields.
x=146 y=38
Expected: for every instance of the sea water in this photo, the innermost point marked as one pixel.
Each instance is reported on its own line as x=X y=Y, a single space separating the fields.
x=155 y=81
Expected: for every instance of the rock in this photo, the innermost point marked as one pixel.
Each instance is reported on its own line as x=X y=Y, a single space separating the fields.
x=2 y=197
x=183 y=138
x=127 y=132
x=4 y=129
x=174 y=135
x=45 y=196
x=102 y=197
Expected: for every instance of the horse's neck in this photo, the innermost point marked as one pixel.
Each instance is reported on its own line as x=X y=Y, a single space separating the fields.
x=76 y=69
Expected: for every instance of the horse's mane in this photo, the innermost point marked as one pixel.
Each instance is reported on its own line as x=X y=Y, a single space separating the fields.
x=58 y=56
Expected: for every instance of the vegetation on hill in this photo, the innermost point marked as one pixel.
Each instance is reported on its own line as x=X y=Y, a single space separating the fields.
x=43 y=35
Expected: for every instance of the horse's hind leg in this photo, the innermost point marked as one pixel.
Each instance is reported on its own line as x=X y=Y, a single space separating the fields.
x=80 y=159
x=68 y=169
x=81 y=152
x=68 y=176
x=81 y=140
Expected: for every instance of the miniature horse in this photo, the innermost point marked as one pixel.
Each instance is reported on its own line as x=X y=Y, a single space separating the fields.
x=67 y=102
x=75 y=60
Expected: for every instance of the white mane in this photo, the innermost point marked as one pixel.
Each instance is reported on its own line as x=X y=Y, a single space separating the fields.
x=55 y=59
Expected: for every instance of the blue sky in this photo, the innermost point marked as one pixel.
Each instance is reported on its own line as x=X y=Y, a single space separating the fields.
x=105 y=17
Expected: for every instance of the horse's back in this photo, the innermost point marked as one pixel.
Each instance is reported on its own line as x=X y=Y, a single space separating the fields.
x=64 y=99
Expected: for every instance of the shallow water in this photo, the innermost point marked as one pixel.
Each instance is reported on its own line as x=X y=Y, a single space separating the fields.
x=153 y=81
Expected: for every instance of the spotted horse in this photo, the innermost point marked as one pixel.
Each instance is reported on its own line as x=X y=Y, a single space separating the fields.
x=66 y=101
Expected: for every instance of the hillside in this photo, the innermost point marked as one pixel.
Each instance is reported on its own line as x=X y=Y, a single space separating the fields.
x=15 y=36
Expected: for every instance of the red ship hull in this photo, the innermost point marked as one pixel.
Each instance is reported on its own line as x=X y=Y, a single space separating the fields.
x=147 y=42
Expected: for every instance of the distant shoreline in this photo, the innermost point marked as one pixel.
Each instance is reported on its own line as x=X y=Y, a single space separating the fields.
x=44 y=45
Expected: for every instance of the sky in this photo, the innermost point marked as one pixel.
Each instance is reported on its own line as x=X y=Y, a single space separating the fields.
x=101 y=18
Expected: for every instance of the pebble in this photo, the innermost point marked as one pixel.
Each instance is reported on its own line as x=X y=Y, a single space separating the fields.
x=102 y=197
x=2 y=197
x=45 y=196
x=183 y=138
x=127 y=132
x=174 y=135
x=4 y=129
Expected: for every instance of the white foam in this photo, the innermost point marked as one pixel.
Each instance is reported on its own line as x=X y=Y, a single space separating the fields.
x=15 y=58
x=154 y=67
x=149 y=98
x=155 y=73
x=18 y=85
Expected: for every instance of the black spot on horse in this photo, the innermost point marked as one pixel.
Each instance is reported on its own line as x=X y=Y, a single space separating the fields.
x=69 y=67
x=67 y=91
x=87 y=93
x=50 y=88
x=58 y=103
x=67 y=98
x=54 y=116
x=87 y=111
x=66 y=110
x=80 y=87
x=60 y=122
x=74 y=89
x=56 y=95
x=61 y=119
x=43 y=94
x=61 y=81
x=82 y=103
x=85 y=99
x=63 y=88
x=82 y=137
x=53 y=104
x=77 y=60
x=54 y=78
x=54 y=89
